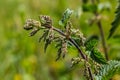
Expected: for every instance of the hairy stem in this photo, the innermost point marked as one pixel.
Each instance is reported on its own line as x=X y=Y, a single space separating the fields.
x=103 y=39
x=80 y=51
x=75 y=44
x=101 y=33
x=72 y=41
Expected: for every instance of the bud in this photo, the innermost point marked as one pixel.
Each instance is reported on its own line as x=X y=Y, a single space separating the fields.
x=28 y=24
x=36 y=24
x=45 y=21
x=31 y=23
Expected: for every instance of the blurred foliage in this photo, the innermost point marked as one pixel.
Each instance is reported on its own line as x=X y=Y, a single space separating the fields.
x=116 y=21
x=108 y=70
x=23 y=58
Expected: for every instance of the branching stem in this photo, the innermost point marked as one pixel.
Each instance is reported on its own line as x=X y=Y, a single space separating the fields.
x=78 y=48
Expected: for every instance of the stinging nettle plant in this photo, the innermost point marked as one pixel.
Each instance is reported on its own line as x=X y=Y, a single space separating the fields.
x=96 y=66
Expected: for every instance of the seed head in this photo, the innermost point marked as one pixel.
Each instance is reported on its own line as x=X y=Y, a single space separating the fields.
x=45 y=21
x=31 y=23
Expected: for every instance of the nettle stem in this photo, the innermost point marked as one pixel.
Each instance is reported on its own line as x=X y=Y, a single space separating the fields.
x=78 y=48
x=103 y=39
x=72 y=41
x=99 y=24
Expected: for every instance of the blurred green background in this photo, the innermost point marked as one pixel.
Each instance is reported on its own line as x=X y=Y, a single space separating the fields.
x=23 y=58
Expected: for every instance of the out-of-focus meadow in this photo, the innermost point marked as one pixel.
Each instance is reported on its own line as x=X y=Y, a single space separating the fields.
x=23 y=58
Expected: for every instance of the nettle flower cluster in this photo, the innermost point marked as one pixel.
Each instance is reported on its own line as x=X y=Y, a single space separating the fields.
x=88 y=53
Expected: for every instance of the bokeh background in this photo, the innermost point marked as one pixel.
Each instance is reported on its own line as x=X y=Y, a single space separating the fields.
x=23 y=58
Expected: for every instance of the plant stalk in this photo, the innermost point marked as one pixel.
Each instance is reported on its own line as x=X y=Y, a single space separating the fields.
x=103 y=39
x=80 y=51
x=99 y=24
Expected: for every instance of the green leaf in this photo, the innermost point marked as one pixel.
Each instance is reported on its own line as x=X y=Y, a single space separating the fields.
x=91 y=43
x=89 y=7
x=107 y=71
x=65 y=18
x=116 y=21
x=97 y=57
